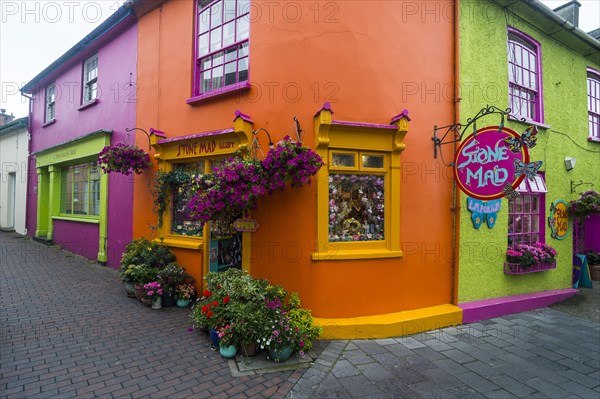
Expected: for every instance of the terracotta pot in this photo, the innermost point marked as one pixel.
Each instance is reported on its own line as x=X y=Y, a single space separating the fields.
x=249 y=350
x=139 y=291
x=595 y=272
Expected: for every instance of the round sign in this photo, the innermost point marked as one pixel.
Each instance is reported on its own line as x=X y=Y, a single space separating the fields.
x=485 y=163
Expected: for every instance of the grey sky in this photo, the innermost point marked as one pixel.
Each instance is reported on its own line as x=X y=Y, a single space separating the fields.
x=33 y=34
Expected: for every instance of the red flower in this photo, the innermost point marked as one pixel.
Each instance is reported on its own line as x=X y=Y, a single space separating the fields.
x=209 y=313
x=215 y=303
x=226 y=299
x=207 y=293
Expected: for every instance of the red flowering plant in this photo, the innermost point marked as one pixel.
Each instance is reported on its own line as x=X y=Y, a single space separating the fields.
x=123 y=158
x=528 y=255
x=289 y=161
x=210 y=311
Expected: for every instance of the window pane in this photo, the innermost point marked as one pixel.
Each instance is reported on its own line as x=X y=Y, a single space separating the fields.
x=217 y=77
x=230 y=54
x=243 y=69
x=243 y=7
x=343 y=160
x=205 y=78
x=216 y=15
x=66 y=185
x=228 y=33
x=229 y=10
x=356 y=207
x=243 y=49
x=204 y=21
x=206 y=63
x=217 y=59
x=180 y=223
x=230 y=70
x=243 y=27
x=203 y=45
x=215 y=39
x=372 y=161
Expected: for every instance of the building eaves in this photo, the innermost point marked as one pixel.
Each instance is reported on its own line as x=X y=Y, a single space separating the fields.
x=120 y=20
x=14 y=125
x=553 y=25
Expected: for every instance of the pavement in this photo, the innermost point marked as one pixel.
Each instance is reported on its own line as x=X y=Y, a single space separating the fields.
x=68 y=330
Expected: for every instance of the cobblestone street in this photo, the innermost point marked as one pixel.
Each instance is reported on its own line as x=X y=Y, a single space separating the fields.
x=68 y=330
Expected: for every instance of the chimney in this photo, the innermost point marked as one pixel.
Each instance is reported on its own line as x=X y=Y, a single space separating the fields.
x=570 y=12
x=4 y=118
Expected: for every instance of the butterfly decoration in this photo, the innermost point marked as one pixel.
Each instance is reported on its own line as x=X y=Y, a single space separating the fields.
x=509 y=192
x=483 y=211
x=528 y=139
x=528 y=169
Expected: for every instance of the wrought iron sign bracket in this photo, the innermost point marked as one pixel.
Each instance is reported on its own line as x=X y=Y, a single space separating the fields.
x=458 y=130
x=127 y=129
x=580 y=183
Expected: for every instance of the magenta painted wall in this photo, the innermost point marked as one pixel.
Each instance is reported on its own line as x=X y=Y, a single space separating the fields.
x=592 y=233
x=115 y=110
x=80 y=238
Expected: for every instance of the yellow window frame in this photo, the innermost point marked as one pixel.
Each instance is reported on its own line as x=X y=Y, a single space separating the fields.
x=359 y=139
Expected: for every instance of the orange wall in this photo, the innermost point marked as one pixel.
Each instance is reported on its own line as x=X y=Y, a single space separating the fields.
x=376 y=59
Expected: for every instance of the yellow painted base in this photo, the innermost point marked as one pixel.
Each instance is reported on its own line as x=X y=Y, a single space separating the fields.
x=392 y=324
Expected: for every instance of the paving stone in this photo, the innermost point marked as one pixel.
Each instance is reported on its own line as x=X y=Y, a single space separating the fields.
x=477 y=382
x=581 y=378
x=359 y=386
x=458 y=356
x=548 y=389
x=375 y=372
x=343 y=368
x=500 y=394
x=513 y=386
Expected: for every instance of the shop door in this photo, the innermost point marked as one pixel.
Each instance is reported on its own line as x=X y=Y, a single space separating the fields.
x=225 y=248
x=10 y=205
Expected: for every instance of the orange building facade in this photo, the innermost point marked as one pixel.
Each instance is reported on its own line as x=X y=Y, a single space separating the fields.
x=213 y=75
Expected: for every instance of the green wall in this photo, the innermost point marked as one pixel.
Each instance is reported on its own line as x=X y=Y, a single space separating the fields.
x=484 y=80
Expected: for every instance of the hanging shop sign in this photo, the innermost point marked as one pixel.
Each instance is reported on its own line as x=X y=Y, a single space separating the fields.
x=483 y=211
x=558 y=220
x=493 y=161
x=246 y=225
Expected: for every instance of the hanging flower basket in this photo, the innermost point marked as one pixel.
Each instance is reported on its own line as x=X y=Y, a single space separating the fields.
x=291 y=162
x=517 y=268
x=587 y=204
x=122 y=158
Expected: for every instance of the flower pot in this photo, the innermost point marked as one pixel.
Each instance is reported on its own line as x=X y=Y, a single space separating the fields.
x=249 y=350
x=130 y=290
x=157 y=303
x=168 y=300
x=214 y=336
x=280 y=355
x=183 y=303
x=595 y=272
x=139 y=291
x=228 y=351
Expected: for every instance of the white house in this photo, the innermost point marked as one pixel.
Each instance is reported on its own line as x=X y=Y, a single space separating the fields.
x=14 y=152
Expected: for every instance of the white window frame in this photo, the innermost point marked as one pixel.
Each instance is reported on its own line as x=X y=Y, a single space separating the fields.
x=50 y=102
x=90 y=83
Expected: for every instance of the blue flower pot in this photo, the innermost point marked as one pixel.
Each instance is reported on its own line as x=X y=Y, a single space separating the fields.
x=214 y=336
x=228 y=351
x=183 y=303
x=280 y=355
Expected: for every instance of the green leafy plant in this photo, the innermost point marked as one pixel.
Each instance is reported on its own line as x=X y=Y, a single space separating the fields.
x=141 y=274
x=165 y=184
x=172 y=276
x=144 y=252
x=587 y=204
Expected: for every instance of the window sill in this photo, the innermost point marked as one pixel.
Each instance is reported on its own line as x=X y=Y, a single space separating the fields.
x=528 y=122
x=594 y=139
x=88 y=104
x=356 y=254
x=76 y=219
x=50 y=122
x=195 y=244
x=238 y=87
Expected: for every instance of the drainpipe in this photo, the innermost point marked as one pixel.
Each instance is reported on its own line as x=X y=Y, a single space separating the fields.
x=29 y=138
x=455 y=192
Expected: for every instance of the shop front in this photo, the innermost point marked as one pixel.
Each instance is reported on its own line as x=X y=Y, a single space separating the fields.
x=72 y=196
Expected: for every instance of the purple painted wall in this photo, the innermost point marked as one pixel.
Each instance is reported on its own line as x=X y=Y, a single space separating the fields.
x=79 y=238
x=592 y=233
x=115 y=110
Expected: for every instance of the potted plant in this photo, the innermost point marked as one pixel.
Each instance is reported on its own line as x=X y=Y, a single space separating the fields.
x=127 y=280
x=123 y=158
x=525 y=258
x=280 y=336
x=228 y=339
x=170 y=277
x=594 y=264
x=587 y=204
x=153 y=294
x=165 y=184
x=184 y=294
